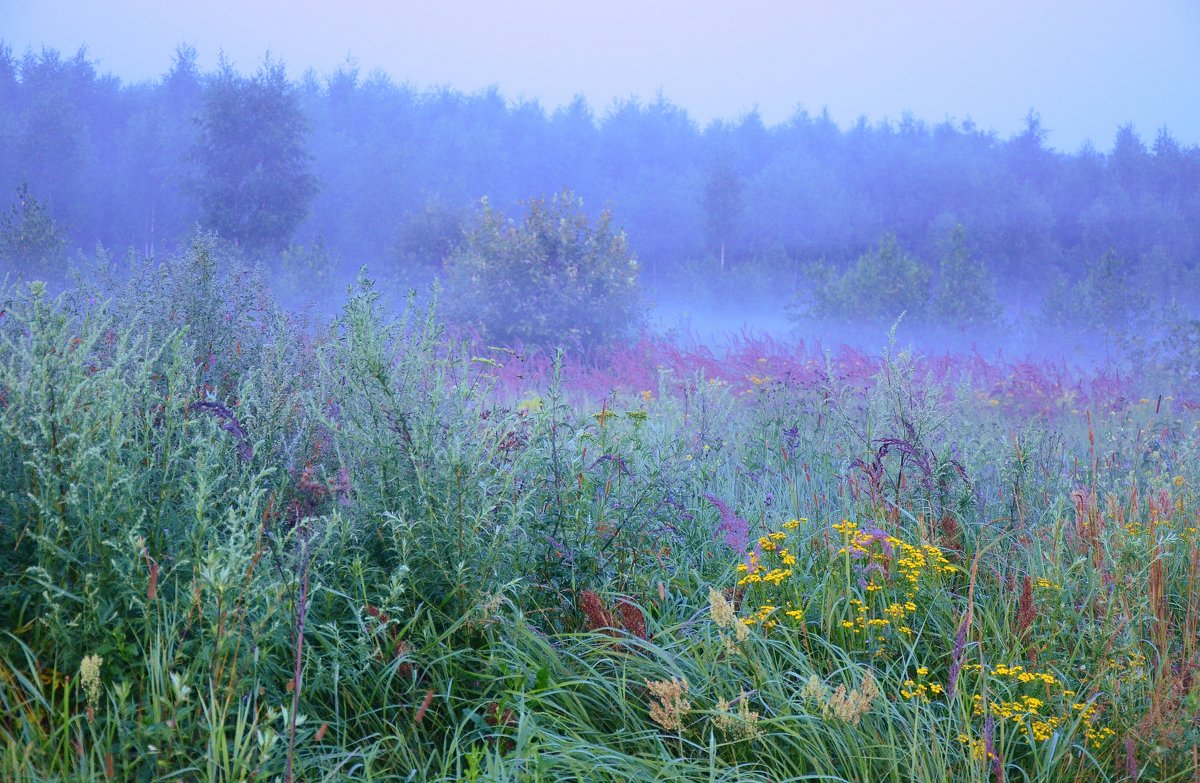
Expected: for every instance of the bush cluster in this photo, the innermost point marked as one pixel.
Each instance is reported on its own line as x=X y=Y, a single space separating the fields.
x=887 y=281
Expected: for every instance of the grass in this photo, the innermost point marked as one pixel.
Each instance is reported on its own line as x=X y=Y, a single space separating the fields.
x=360 y=551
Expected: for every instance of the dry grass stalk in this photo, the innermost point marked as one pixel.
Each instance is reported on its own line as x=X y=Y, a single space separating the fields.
x=1026 y=610
x=669 y=702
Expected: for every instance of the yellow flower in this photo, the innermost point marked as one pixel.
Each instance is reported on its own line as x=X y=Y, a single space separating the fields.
x=532 y=405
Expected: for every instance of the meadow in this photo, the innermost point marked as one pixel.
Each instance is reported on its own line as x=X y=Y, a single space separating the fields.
x=238 y=543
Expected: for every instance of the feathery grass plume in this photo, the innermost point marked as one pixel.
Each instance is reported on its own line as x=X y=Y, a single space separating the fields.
x=742 y=724
x=851 y=707
x=841 y=704
x=669 y=702
x=1131 y=765
x=89 y=678
x=815 y=690
x=597 y=614
x=723 y=614
x=989 y=745
x=405 y=668
x=1026 y=610
x=633 y=620
x=956 y=659
x=720 y=610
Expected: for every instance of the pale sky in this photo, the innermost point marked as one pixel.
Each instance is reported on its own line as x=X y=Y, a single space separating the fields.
x=1086 y=66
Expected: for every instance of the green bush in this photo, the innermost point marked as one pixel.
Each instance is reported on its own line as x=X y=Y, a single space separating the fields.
x=1107 y=299
x=31 y=242
x=878 y=287
x=965 y=294
x=556 y=278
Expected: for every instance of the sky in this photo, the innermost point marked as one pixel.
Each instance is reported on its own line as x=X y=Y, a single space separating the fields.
x=1085 y=66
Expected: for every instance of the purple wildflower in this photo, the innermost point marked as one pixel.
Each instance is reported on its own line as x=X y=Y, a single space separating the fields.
x=989 y=745
x=734 y=530
x=871 y=535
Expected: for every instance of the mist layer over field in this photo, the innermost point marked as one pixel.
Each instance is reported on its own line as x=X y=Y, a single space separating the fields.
x=981 y=241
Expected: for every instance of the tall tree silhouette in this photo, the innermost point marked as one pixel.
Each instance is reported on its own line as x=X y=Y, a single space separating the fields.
x=256 y=182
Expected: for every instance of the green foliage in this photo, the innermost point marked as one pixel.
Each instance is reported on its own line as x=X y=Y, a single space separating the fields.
x=557 y=278
x=256 y=181
x=389 y=584
x=965 y=294
x=430 y=235
x=878 y=287
x=304 y=274
x=31 y=242
x=1106 y=300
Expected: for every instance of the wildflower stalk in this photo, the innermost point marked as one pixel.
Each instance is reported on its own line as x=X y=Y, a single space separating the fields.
x=301 y=612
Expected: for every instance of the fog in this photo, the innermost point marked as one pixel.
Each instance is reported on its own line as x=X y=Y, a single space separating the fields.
x=768 y=177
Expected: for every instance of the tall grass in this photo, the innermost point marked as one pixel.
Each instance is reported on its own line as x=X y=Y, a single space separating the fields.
x=236 y=546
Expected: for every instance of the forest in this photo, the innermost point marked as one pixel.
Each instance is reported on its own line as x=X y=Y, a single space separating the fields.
x=334 y=171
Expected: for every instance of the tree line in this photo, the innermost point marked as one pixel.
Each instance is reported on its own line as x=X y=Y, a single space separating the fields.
x=376 y=171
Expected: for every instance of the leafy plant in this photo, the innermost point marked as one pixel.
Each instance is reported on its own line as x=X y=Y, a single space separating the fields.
x=878 y=287
x=965 y=294
x=1106 y=299
x=557 y=277
x=256 y=182
x=31 y=241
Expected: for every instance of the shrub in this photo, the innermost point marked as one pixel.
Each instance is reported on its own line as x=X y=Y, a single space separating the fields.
x=879 y=286
x=966 y=293
x=31 y=242
x=556 y=278
x=1106 y=299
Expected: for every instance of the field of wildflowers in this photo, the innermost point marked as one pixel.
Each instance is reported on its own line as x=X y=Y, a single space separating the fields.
x=236 y=545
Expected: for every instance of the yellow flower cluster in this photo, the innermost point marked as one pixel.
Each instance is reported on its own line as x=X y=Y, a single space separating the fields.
x=762 y=617
x=979 y=750
x=891 y=563
x=1021 y=675
x=759 y=573
x=1032 y=711
x=914 y=560
x=770 y=565
x=919 y=689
